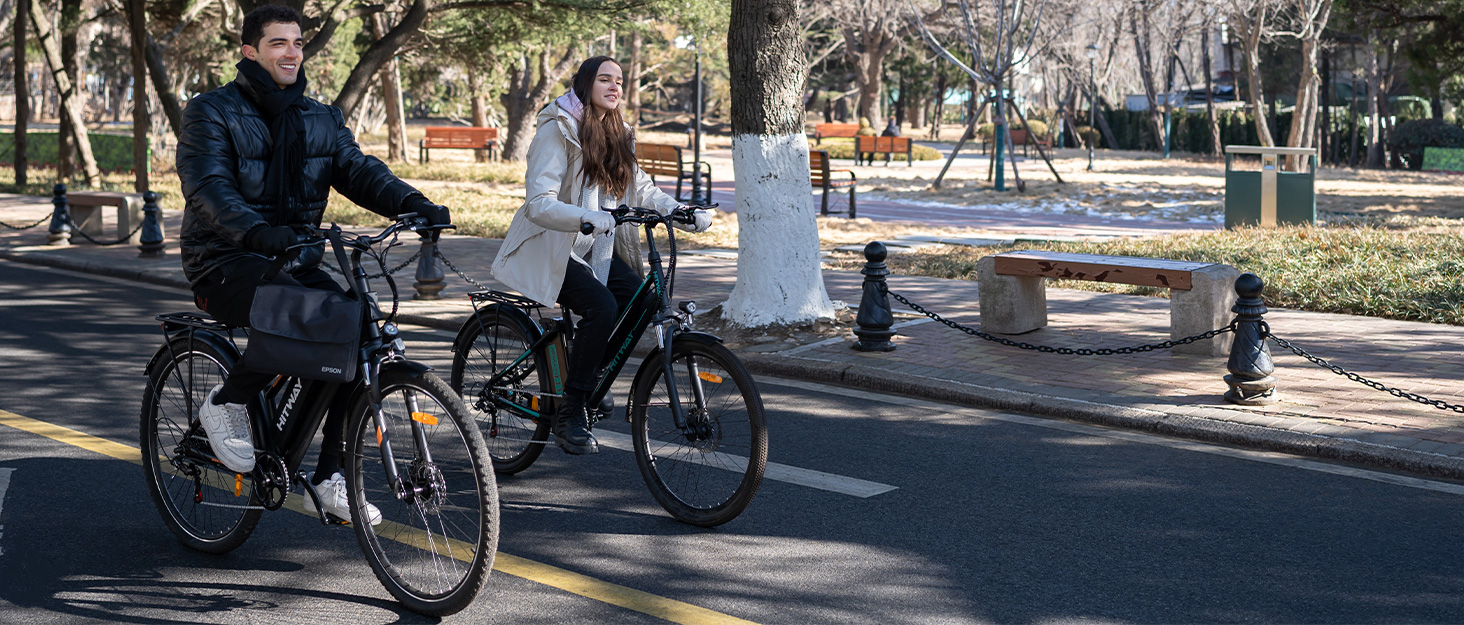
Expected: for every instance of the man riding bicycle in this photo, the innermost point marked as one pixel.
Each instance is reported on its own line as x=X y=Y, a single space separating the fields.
x=257 y=159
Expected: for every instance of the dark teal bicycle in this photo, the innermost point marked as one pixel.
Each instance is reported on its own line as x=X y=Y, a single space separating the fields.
x=697 y=425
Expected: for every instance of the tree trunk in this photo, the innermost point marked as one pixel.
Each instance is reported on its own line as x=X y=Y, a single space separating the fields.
x=1304 y=118
x=70 y=100
x=163 y=86
x=1215 y=147
x=1103 y=127
x=869 y=72
x=779 y=275
x=1375 y=92
x=22 y=93
x=1250 y=55
x=141 y=121
x=377 y=55
x=65 y=135
x=526 y=95
x=480 y=109
x=633 y=78
x=391 y=92
x=1146 y=72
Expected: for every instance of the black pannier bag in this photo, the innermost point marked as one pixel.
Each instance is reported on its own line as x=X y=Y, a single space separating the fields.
x=308 y=333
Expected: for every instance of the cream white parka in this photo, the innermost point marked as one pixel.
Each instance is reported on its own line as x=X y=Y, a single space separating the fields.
x=536 y=250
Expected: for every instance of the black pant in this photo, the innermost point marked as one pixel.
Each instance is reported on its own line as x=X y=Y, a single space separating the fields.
x=226 y=295
x=598 y=305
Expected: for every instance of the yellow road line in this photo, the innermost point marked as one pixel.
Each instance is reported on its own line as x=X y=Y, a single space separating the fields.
x=552 y=576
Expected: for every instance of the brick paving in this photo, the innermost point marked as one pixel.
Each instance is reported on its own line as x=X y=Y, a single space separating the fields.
x=1319 y=412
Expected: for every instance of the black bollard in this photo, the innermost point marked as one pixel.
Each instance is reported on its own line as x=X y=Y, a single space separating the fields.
x=429 y=283
x=1250 y=379
x=874 y=318
x=150 y=240
x=60 y=217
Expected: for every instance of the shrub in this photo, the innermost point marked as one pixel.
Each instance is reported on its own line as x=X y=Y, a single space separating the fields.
x=844 y=149
x=1087 y=135
x=1037 y=126
x=1410 y=138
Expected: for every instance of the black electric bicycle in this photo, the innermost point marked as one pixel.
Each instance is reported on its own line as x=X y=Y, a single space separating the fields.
x=696 y=418
x=438 y=533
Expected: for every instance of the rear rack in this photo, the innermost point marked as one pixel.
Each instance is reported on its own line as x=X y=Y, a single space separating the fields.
x=180 y=320
x=512 y=299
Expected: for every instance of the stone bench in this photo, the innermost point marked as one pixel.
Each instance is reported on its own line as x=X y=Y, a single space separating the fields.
x=86 y=212
x=1014 y=296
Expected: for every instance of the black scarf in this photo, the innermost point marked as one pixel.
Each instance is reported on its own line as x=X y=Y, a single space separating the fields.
x=284 y=180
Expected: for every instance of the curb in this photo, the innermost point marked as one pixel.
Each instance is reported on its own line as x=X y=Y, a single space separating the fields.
x=961 y=393
x=1152 y=421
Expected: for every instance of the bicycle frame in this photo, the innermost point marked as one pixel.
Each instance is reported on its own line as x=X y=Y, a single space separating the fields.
x=650 y=305
x=285 y=416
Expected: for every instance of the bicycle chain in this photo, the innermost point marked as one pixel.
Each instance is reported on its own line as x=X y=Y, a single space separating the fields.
x=1082 y=351
x=1436 y=403
x=14 y=227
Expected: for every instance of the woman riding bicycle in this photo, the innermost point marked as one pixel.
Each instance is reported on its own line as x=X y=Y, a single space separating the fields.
x=580 y=164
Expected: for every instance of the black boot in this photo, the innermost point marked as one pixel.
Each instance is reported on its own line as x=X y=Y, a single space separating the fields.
x=572 y=425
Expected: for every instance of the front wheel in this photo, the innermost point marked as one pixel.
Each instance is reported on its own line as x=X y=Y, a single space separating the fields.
x=434 y=542
x=707 y=471
x=207 y=506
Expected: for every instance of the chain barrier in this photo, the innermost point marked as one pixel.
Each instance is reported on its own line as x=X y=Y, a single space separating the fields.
x=393 y=270
x=1082 y=351
x=459 y=272
x=75 y=229
x=14 y=227
x=1436 y=403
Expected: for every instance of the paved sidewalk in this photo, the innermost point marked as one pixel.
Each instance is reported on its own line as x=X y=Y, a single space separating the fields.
x=1320 y=413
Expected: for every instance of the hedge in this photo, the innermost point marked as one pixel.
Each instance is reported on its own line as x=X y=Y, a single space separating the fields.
x=113 y=152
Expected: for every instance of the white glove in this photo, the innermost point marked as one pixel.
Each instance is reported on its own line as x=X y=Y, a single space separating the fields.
x=703 y=221
x=602 y=221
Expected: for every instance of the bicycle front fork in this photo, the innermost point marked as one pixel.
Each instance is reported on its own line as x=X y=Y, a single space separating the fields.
x=696 y=427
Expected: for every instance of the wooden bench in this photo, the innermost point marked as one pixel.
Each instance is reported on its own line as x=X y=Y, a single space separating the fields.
x=820 y=131
x=86 y=212
x=823 y=178
x=457 y=137
x=887 y=146
x=665 y=160
x=1020 y=136
x=1014 y=297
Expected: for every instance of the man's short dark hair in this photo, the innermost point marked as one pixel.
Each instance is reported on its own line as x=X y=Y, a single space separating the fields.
x=257 y=19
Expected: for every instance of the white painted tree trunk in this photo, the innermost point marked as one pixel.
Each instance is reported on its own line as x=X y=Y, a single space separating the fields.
x=779 y=276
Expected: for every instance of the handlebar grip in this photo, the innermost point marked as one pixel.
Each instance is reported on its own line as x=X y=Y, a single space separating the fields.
x=587 y=228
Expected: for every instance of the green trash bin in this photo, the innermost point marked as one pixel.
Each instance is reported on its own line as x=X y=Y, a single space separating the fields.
x=1270 y=196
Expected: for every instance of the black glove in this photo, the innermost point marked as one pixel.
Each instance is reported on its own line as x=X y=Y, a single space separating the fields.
x=271 y=240
x=435 y=214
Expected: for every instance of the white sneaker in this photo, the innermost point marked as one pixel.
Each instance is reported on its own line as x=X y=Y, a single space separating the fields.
x=332 y=494
x=227 y=427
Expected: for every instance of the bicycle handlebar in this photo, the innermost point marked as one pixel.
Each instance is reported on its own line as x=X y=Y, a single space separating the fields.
x=625 y=214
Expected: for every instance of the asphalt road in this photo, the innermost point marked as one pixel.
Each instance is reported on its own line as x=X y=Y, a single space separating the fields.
x=993 y=517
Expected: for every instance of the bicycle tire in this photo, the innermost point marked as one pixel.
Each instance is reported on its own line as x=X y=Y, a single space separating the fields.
x=486 y=345
x=710 y=481
x=218 y=512
x=433 y=553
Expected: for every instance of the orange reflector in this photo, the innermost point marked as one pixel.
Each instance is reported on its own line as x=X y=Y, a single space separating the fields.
x=424 y=418
x=238 y=484
x=710 y=377
x=378 y=437
x=534 y=403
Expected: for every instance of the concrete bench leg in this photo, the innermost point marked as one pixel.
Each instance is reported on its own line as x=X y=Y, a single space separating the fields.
x=1010 y=304
x=88 y=219
x=128 y=218
x=1204 y=307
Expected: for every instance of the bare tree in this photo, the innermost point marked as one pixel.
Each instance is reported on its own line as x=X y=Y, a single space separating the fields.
x=1310 y=18
x=779 y=278
x=1253 y=22
x=70 y=96
x=872 y=30
x=530 y=84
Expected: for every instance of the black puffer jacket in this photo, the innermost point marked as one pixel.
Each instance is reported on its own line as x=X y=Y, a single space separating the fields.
x=223 y=153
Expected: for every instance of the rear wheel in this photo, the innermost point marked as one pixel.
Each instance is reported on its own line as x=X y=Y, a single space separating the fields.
x=488 y=344
x=438 y=530
x=708 y=471
x=207 y=506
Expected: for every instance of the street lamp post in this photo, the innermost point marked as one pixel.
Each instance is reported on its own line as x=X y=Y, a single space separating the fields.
x=1092 y=102
x=698 y=196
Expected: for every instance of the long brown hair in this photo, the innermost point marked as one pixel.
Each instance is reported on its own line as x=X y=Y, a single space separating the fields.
x=607 y=147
